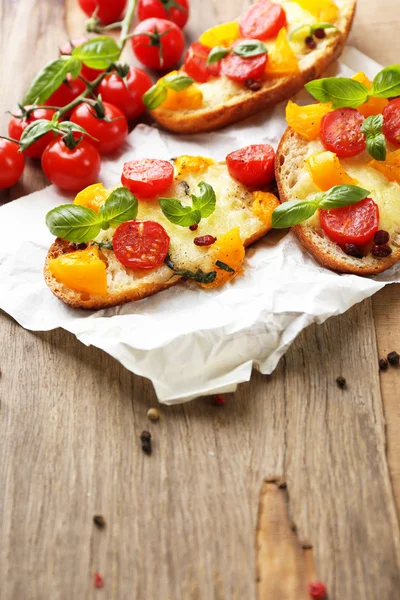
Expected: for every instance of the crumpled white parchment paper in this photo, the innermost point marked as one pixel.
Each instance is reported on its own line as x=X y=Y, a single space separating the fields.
x=187 y=341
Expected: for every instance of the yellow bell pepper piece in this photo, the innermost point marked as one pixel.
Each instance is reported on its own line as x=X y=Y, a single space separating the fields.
x=82 y=271
x=188 y=99
x=322 y=10
x=264 y=205
x=389 y=167
x=221 y=35
x=228 y=249
x=191 y=164
x=282 y=60
x=373 y=106
x=92 y=197
x=327 y=171
x=306 y=120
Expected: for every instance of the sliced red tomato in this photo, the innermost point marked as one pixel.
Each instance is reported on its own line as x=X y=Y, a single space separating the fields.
x=354 y=224
x=341 y=132
x=196 y=63
x=239 y=68
x=141 y=244
x=147 y=177
x=263 y=20
x=391 y=121
x=252 y=165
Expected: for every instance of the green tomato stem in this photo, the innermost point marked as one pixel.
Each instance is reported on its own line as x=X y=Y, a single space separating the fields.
x=127 y=22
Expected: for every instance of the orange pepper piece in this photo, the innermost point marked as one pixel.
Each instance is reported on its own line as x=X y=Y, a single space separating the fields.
x=327 y=171
x=389 y=167
x=229 y=249
x=82 y=271
x=264 y=204
x=373 y=106
x=322 y=10
x=192 y=164
x=221 y=35
x=188 y=99
x=92 y=197
x=282 y=60
x=306 y=120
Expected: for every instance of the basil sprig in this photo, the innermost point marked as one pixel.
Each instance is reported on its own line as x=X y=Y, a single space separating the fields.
x=199 y=276
x=343 y=92
x=98 y=53
x=376 y=142
x=78 y=224
x=202 y=207
x=296 y=211
x=158 y=92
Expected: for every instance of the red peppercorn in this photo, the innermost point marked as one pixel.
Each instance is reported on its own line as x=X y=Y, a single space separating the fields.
x=193 y=227
x=219 y=400
x=353 y=250
x=98 y=580
x=310 y=42
x=253 y=84
x=320 y=33
x=205 y=240
x=381 y=237
x=317 y=590
x=381 y=251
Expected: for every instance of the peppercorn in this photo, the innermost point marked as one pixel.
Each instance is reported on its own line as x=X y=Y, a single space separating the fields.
x=100 y=521
x=381 y=251
x=193 y=227
x=145 y=438
x=253 y=84
x=98 y=580
x=317 y=590
x=381 y=237
x=341 y=382
x=153 y=414
x=205 y=240
x=353 y=250
x=219 y=400
x=81 y=246
x=320 y=33
x=393 y=358
x=383 y=364
x=310 y=42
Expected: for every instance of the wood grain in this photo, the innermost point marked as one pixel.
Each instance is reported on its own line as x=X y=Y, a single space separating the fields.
x=181 y=524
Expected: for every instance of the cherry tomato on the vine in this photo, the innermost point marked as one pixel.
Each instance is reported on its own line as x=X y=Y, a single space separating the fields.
x=86 y=72
x=71 y=169
x=196 y=63
x=176 y=11
x=11 y=163
x=158 y=43
x=147 y=177
x=110 y=131
x=17 y=125
x=252 y=165
x=341 y=132
x=108 y=11
x=354 y=224
x=263 y=20
x=68 y=91
x=141 y=244
x=126 y=93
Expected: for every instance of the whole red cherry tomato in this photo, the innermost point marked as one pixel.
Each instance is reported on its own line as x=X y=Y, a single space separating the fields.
x=239 y=68
x=147 y=177
x=354 y=224
x=108 y=11
x=71 y=169
x=11 y=163
x=196 y=63
x=341 y=132
x=126 y=93
x=17 y=125
x=141 y=244
x=262 y=21
x=391 y=121
x=86 y=72
x=110 y=131
x=252 y=165
x=66 y=93
x=158 y=43
x=176 y=11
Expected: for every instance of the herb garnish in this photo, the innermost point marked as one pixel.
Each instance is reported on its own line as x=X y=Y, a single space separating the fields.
x=158 y=92
x=376 y=142
x=199 y=276
x=202 y=207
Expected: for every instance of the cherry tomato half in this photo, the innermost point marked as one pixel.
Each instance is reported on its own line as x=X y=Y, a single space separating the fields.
x=341 y=132
x=17 y=125
x=109 y=132
x=196 y=63
x=71 y=169
x=147 y=177
x=68 y=91
x=158 y=43
x=262 y=21
x=391 y=121
x=140 y=244
x=164 y=9
x=252 y=165
x=11 y=163
x=126 y=93
x=108 y=11
x=239 y=68
x=354 y=224
x=86 y=72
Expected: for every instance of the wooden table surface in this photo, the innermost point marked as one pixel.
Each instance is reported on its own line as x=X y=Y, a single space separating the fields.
x=205 y=517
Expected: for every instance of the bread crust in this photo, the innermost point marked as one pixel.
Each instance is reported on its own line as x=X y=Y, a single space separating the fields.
x=289 y=161
x=250 y=103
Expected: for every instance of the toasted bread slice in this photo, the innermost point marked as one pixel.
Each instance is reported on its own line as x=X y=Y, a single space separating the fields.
x=234 y=209
x=295 y=182
x=240 y=102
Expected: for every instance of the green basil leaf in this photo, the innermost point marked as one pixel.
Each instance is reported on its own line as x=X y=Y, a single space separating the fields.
x=106 y=245
x=205 y=203
x=199 y=276
x=342 y=195
x=338 y=90
x=155 y=96
x=387 y=82
x=49 y=79
x=249 y=48
x=184 y=216
x=34 y=131
x=372 y=125
x=376 y=146
x=292 y=213
x=98 y=53
x=120 y=206
x=74 y=223
x=216 y=54
x=178 y=82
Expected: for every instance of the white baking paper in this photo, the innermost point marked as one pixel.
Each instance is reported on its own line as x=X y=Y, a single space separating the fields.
x=188 y=341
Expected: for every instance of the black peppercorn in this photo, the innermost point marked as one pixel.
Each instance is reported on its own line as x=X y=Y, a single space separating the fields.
x=353 y=250
x=393 y=358
x=100 y=521
x=341 y=382
x=381 y=237
x=383 y=364
x=253 y=84
x=381 y=251
x=310 y=42
x=145 y=438
x=320 y=33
